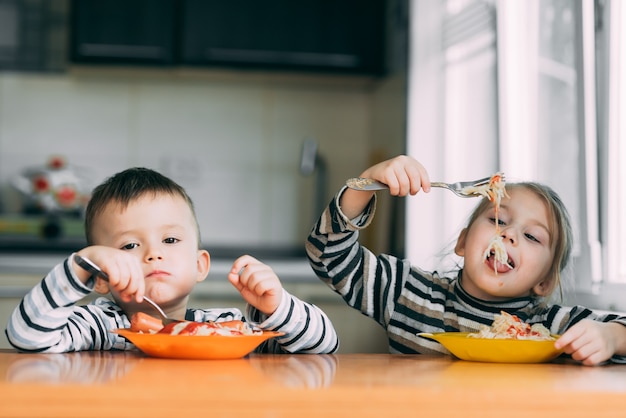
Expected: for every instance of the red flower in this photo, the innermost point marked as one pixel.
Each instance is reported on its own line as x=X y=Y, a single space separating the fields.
x=56 y=162
x=66 y=196
x=41 y=184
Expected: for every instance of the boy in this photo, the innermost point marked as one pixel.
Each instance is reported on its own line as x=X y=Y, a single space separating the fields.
x=142 y=231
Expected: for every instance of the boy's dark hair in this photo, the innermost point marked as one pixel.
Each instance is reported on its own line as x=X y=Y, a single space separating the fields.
x=127 y=186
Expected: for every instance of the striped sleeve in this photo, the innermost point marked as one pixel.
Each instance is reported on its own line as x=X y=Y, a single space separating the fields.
x=48 y=319
x=306 y=328
x=560 y=319
x=366 y=282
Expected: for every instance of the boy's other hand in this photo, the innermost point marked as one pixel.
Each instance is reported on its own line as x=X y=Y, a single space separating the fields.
x=258 y=284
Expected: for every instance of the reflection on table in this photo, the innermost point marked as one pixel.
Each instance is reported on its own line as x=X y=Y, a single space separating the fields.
x=94 y=367
x=83 y=368
x=106 y=384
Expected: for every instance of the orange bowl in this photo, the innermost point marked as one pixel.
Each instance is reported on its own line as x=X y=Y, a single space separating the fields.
x=201 y=347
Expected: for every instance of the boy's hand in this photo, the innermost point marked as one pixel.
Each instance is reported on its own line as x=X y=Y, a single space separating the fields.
x=124 y=270
x=258 y=284
x=592 y=342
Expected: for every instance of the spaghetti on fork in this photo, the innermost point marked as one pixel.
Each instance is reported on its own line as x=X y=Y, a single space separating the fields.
x=495 y=190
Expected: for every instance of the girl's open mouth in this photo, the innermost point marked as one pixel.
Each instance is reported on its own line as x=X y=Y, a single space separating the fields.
x=497 y=266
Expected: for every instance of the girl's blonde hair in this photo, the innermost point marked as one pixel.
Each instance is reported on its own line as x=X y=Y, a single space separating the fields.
x=560 y=226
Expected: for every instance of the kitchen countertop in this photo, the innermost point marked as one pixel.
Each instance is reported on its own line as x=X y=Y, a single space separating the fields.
x=106 y=384
x=288 y=269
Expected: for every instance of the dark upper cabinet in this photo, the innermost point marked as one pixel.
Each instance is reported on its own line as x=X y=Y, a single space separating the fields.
x=340 y=36
x=123 y=31
x=326 y=35
x=32 y=35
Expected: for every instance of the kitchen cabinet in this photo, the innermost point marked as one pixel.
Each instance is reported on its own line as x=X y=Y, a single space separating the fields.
x=123 y=32
x=338 y=36
x=343 y=36
x=32 y=35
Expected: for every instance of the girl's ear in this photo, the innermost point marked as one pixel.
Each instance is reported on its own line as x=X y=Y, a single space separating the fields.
x=459 y=249
x=543 y=288
x=204 y=264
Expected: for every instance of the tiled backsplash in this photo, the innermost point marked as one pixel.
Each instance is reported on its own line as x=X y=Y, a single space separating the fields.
x=232 y=140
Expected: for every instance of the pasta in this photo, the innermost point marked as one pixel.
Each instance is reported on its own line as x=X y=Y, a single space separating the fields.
x=210 y=328
x=507 y=326
x=359 y=183
x=494 y=191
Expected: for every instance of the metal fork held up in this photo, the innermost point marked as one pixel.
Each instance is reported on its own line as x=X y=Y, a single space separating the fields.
x=460 y=188
x=92 y=268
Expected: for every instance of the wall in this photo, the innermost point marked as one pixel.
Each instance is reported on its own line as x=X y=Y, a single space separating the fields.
x=232 y=139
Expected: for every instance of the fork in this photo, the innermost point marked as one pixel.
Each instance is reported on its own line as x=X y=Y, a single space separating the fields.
x=460 y=188
x=92 y=268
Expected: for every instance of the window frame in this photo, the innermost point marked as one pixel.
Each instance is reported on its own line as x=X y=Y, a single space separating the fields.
x=597 y=118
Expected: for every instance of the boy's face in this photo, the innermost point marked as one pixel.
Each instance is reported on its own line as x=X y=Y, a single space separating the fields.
x=525 y=228
x=161 y=232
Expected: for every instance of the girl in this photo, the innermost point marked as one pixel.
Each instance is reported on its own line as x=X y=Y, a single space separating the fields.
x=406 y=300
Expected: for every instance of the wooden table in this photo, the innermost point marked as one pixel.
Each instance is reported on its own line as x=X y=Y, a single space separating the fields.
x=125 y=384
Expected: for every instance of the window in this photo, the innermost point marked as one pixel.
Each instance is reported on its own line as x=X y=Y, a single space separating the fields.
x=611 y=32
x=548 y=112
x=558 y=114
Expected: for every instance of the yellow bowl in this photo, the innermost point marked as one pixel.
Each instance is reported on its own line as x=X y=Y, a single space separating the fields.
x=202 y=347
x=495 y=350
